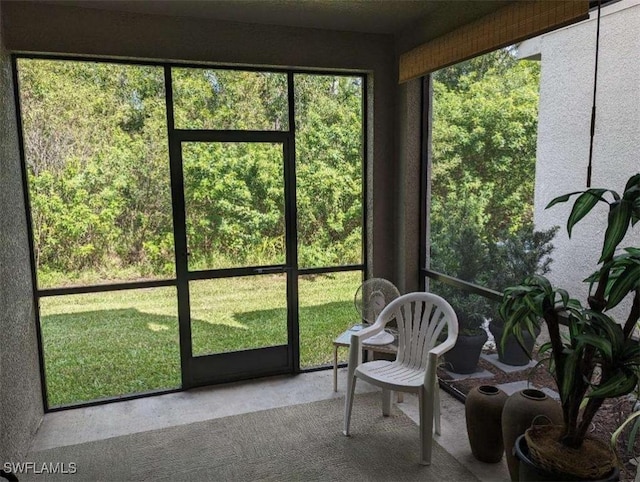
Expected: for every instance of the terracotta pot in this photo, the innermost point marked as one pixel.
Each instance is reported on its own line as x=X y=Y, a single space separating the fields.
x=483 y=412
x=512 y=354
x=464 y=356
x=519 y=411
x=530 y=471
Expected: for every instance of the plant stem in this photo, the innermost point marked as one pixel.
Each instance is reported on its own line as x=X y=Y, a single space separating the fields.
x=553 y=325
x=593 y=405
x=598 y=302
x=634 y=316
x=583 y=372
x=551 y=318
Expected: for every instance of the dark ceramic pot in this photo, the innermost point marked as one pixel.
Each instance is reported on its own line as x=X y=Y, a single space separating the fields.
x=512 y=354
x=530 y=471
x=483 y=412
x=464 y=356
x=517 y=415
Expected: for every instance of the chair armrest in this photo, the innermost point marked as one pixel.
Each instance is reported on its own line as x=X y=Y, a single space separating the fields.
x=357 y=338
x=434 y=354
x=446 y=345
x=443 y=347
x=368 y=332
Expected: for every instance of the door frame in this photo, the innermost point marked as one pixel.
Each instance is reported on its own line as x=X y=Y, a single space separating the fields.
x=201 y=370
x=250 y=363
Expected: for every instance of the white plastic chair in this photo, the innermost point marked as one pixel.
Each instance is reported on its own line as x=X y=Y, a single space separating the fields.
x=421 y=318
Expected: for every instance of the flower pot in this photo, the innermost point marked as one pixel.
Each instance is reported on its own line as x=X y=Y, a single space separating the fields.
x=530 y=471
x=483 y=413
x=464 y=356
x=517 y=415
x=512 y=354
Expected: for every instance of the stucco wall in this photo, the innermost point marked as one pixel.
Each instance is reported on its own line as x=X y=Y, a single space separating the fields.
x=20 y=399
x=37 y=27
x=566 y=91
x=408 y=247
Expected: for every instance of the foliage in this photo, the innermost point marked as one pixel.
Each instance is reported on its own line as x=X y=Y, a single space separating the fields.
x=518 y=256
x=631 y=425
x=598 y=358
x=496 y=265
x=484 y=144
x=484 y=134
x=329 y=170
x=464 y=257
x=96 y=149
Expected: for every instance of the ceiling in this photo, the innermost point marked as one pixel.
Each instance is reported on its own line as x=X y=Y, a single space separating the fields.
x=369 y=16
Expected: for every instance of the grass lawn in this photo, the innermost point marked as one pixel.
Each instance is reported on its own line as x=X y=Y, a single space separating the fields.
x=108 y=344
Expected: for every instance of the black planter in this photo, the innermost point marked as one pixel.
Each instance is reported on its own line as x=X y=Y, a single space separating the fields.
x=464 y=356
x=530 y=471
x=513 y=354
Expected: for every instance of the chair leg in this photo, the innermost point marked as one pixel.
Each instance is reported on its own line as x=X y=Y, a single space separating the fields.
x=386 y=402
x=348 y=404
x=436 y=407
x=425 y=400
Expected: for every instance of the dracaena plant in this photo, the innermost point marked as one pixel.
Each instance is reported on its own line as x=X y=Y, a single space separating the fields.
x=594 y=357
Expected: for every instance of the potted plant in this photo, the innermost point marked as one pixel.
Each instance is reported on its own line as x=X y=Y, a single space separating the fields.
x=466 y=259
x=471 y=311
x=595 y=358
x=517 y=256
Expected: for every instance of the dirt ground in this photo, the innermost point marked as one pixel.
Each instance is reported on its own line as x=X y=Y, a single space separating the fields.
x=608 y=419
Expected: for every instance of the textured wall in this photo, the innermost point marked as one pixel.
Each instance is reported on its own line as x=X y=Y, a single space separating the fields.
x=408 y=248
x=566 y=91
x=20 y=399
x=37 y=27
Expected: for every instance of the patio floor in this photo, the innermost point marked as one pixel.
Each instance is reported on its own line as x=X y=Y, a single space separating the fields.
x=121 y=418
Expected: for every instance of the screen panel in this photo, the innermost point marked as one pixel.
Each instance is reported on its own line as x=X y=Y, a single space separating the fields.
x=108 y=344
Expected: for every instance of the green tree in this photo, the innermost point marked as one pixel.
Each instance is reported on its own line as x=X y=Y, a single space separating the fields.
x=329 y=165
x=484 y=152
x=97 y=156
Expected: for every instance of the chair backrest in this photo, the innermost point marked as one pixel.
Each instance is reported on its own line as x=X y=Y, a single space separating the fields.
x=421 y=318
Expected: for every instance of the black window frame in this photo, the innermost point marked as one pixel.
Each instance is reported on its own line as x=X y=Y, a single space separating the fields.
x=292 y=244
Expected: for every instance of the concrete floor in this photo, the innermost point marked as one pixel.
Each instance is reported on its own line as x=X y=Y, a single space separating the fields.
x=95 y=423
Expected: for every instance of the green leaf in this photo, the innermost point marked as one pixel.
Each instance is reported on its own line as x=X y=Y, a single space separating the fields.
x=633 y=182
x=633 y=433
x=621 y=383
x=541 y=281
x=631 y=193
x=583 y=205
x=564 y=296
x=606 y=328
x=568 y=375
x=625 y=283
x=592 y=280
x=618 y=431
x=544 y=348
x=597 y=342
x=635 y=213
x=619 y=217
x=630 y=355
x=561 y=199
